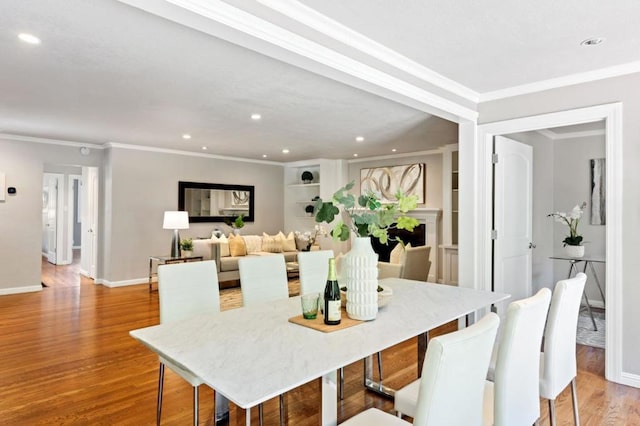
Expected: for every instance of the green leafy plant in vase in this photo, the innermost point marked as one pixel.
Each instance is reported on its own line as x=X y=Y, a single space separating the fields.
x=236 y=223
x=186 y=246
x=365 y=216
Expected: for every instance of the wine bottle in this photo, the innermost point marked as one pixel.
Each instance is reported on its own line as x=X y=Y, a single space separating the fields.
x=332 y=311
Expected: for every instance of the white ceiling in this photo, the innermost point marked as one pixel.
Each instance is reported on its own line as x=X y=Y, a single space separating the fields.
x=110 y=72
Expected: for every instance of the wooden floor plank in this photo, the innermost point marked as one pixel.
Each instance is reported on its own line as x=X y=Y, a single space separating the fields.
x=67 y=359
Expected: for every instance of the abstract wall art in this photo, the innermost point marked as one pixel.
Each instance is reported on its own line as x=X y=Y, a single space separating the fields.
x=386 y=181
x=598 y=194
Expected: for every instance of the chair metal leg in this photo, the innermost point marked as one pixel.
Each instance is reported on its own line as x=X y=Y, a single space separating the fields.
x=574 y=397
x=195 y=405
x=160 y=387
x=399 y=414
x=282 y=410
x=380 y=366
x=341 y=383
x=260 y=415
x=552 y=412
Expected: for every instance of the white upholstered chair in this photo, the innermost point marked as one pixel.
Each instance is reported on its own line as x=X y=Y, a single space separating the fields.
x=513 y=398
x=558 y=360
x=264 y=279
x=450 y=376
x=313 y=267
x=185 y=290
x=408 y=262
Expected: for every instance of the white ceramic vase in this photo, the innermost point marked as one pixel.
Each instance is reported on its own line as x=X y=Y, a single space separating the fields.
x=574 y=251
x=360 y=275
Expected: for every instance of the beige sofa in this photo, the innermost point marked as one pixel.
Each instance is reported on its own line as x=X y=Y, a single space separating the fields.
x=255 y=245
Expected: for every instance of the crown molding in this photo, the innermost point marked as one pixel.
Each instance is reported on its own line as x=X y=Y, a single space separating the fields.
x=401 y=155
x=333 y=29
x=569 y=80
x=258 y=28
x=571 y=135
x=188 y=153
x=49 y=141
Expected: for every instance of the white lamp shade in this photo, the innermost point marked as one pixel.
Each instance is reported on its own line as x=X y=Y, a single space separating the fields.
x=176 y=220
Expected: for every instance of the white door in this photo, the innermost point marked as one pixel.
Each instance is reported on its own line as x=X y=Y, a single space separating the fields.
x=50 y=195
x=89 y=217
x=512 y=215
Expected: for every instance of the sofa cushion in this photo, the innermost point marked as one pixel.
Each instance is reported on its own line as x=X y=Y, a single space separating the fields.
x=237 y=246
x=290 y=256
x=271 y=243
x=288 y=242
x=253 y=243
x=229 y=263
x=223 y=244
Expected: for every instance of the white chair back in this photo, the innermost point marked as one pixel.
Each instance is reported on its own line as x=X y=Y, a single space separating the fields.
x=188 y=289
x=517 y=371
x=559 y=361
x=263 y=278
x=313 y=267
x=450 y=375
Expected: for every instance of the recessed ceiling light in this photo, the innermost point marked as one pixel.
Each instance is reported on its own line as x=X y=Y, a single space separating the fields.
x=355 y=155
x=593 y=41
x=29 y=38
x=186 y=136
x=359 y=138
x=285 y=151
x=393 y=150
x=264 y=155
x=256 y=116
x=204 y=148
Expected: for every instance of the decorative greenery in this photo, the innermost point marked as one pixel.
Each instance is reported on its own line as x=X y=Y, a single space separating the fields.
x=307 y=176
x=236 y=223
x=368 y=217
x=309 y=237
x=186 y=244
x=571 y=219
x=308 y=209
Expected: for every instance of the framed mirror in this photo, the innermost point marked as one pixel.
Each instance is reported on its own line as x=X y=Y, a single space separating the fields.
x=215 y=202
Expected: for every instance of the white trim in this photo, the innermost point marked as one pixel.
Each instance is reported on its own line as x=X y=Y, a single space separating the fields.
x=569 y=80
x=571 y=135
x=18 y=290
x=612 y=114
x=123 y=283
x=630 y=380
x=401 y=155
x=265 y=31
x=187 y=153
x=18 y=138
x=335 y=30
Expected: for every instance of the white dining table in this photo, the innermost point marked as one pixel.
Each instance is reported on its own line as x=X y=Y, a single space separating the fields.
x=253 y=354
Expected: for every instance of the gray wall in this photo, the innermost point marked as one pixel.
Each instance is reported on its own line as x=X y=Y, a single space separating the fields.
x=433 y=162
x=625 y=89
x=21 y=214
x=145 y=184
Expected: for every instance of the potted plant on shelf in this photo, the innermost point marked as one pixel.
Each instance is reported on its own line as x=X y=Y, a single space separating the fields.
x=186 y=246
x=366 y=217
x=307 y=176
x=236 y=223
x=572 y=242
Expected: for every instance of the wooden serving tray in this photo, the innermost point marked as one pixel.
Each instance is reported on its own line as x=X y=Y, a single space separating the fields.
x=318 y=322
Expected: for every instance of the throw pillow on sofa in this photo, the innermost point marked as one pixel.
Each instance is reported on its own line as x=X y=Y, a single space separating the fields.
x=288 y=242
x=253 y=243
x=237 y=246
x=271 y=243
x=223 y=245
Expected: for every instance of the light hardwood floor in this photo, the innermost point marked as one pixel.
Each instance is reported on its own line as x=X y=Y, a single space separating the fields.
x=67 y=359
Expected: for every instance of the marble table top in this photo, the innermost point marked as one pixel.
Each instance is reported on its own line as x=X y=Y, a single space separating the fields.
x=253 y=354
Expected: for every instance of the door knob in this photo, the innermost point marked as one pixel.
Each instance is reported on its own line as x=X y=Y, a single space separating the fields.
x=532 y=246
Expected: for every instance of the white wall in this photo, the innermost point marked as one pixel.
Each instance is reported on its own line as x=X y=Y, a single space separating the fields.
x=21 y=214
x=624 y=89
x=142 y=185
x=573 y=186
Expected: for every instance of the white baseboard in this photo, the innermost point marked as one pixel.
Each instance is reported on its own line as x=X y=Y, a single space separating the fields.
x=17 y=290
x=630 y=379
x=123 y=283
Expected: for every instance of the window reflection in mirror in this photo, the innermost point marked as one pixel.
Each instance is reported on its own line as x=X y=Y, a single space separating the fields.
x=211 y=202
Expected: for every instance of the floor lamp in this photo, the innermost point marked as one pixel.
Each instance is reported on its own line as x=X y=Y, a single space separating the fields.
x=175 y=221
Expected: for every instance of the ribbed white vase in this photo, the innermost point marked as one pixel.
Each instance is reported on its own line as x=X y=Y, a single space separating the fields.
x=574 y=251
x=360 y=275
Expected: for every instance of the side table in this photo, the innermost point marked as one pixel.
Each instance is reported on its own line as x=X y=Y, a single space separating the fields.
x=165 y=260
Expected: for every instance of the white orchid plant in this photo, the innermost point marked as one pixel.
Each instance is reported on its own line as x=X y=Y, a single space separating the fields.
x=571 y=219
x=311 y=236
